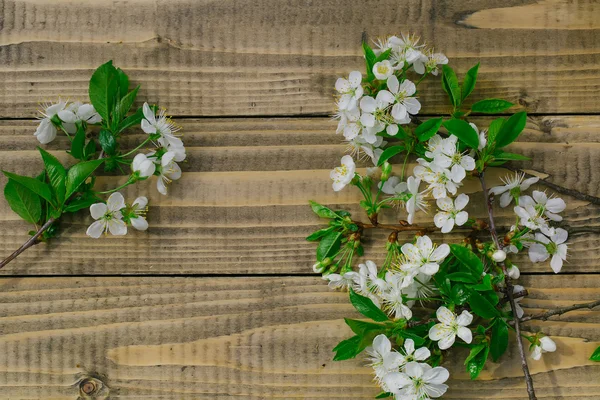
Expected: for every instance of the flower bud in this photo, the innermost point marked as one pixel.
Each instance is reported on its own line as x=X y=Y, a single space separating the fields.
x=318 y=268
x=514 y=272
x=499 y=256
x=326 y=261
x=386 y=170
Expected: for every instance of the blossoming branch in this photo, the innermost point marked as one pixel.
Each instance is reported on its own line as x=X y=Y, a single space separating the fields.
x=470 y=284
x=58 y=189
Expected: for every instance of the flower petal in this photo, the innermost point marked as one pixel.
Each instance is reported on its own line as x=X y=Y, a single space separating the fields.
x=382 y=344
x=117 y=227
x=465 y=334
x=465 y=318
x=437 y=375
x=445 y=316
x=115 y=202
x=95 y=229
x=422 y=354
x=139 y=223
x=447 y=341
x=98 y=210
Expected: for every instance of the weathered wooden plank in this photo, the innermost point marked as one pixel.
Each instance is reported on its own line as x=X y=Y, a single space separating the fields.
x=279 y=57
x=250 y=338
x=241 y=206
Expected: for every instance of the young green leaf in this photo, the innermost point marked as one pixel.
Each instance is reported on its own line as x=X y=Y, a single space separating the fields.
x=475 y=365
x=366 y=307
x=462 y=277
x=132 y=120
x=126 y=102
x=511 y=129
x=450 y=85
x=384 y=395
x=494 y=129
x=596 y=355
x=57 y=175
x=104 y=85
x=23 y=201
x=504 y=156
x=481 y=306
x=78 y=173
x=83 y=201
x=467 y=259
x=322 y=211
x=362 y=327
x=349 y=348
x=40 y=188
x=123 y=81
x=389 y=153
x=370 y=59
x=316 y=235
x=469 y=82
x=78 y=144
x=499 y=342
x=108 y=142
x=476 y=349
x=329 y=245
x=491 y=106
x=463 y=131
x=486 y=284
x=427 y=129
x=419 y=341
x=89 y=149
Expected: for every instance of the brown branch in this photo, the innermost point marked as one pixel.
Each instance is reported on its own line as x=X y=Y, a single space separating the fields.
x=559 y=311
x=509 y=293
x=30 y=242
x=399 y=228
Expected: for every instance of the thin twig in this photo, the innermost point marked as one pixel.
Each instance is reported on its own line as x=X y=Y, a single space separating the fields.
x=559 y=311
x=509 y=293
x=398 y=228
x=30 y=242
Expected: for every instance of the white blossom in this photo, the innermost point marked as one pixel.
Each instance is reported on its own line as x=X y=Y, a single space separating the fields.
x=139 y=209
x=381 y=356
x=451 y=212
x=350 y=89
x=143 y=165
x=482 y=136
x=419 y=381
x=441 y=180
x=451 y=326
x=78 y=112
x=544 y=345
x=343 y=174
x=46 y=131
x=162 y=125
x=108 y=217
x=393 y=301
x=549 y=207
x=423 y=256
x=512 y=188
x=169 y=171
x=417 y=199
x=410 y=354
x=368 y=281
x=383 y=70
x=446 y=155
x=532 y=219
x=499 y=256
x=404 y=102
x=393 y=186
x=337 y=281
x=514 y=272
x=554 y=246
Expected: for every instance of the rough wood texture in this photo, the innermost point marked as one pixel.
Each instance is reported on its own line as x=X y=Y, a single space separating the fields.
x=245 y=338
x=241 y=206
x=280 y=57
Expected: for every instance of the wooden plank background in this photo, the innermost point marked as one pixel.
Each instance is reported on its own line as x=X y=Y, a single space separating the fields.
x=224 y=304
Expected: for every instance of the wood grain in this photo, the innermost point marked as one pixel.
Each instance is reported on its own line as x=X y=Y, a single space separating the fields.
x=275 y=57
x=241 y=206
x=245 y=338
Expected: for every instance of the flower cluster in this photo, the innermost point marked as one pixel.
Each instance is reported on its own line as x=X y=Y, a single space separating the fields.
x=467 y=283
x=94 y=132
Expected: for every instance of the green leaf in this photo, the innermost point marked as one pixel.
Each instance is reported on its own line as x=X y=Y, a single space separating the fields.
x=319 y=234
x=486 y=284
x=481 y=306
x=108 y=142
x=468 y=259
x=78 y=173
x=23 y=201
x=427 y=129
x=104 y=85
x=384 y=395
x=329 y=245
x=475 y=365
x=476 y=349
x=389 y=153
x=126 y=102
x=322 y=211
x=132 y=120
x=511 y=129
x=366 y=307
x=362 y=327
x=459 y=294
x=56 y=175
x=40 y=188
x=349 y=348
x=596 y=355
x=494 y=129
x=462 y=277
x=469 y=82
x=450 y=85
x=504 y=156
x=82 y=202
x=491 y=106
x=384 y=55
x=419 y=341
x=89 y=150
x=370 y=60
x=499 y=342
x=463 y=131
x=123 y=81
x=78 y=144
